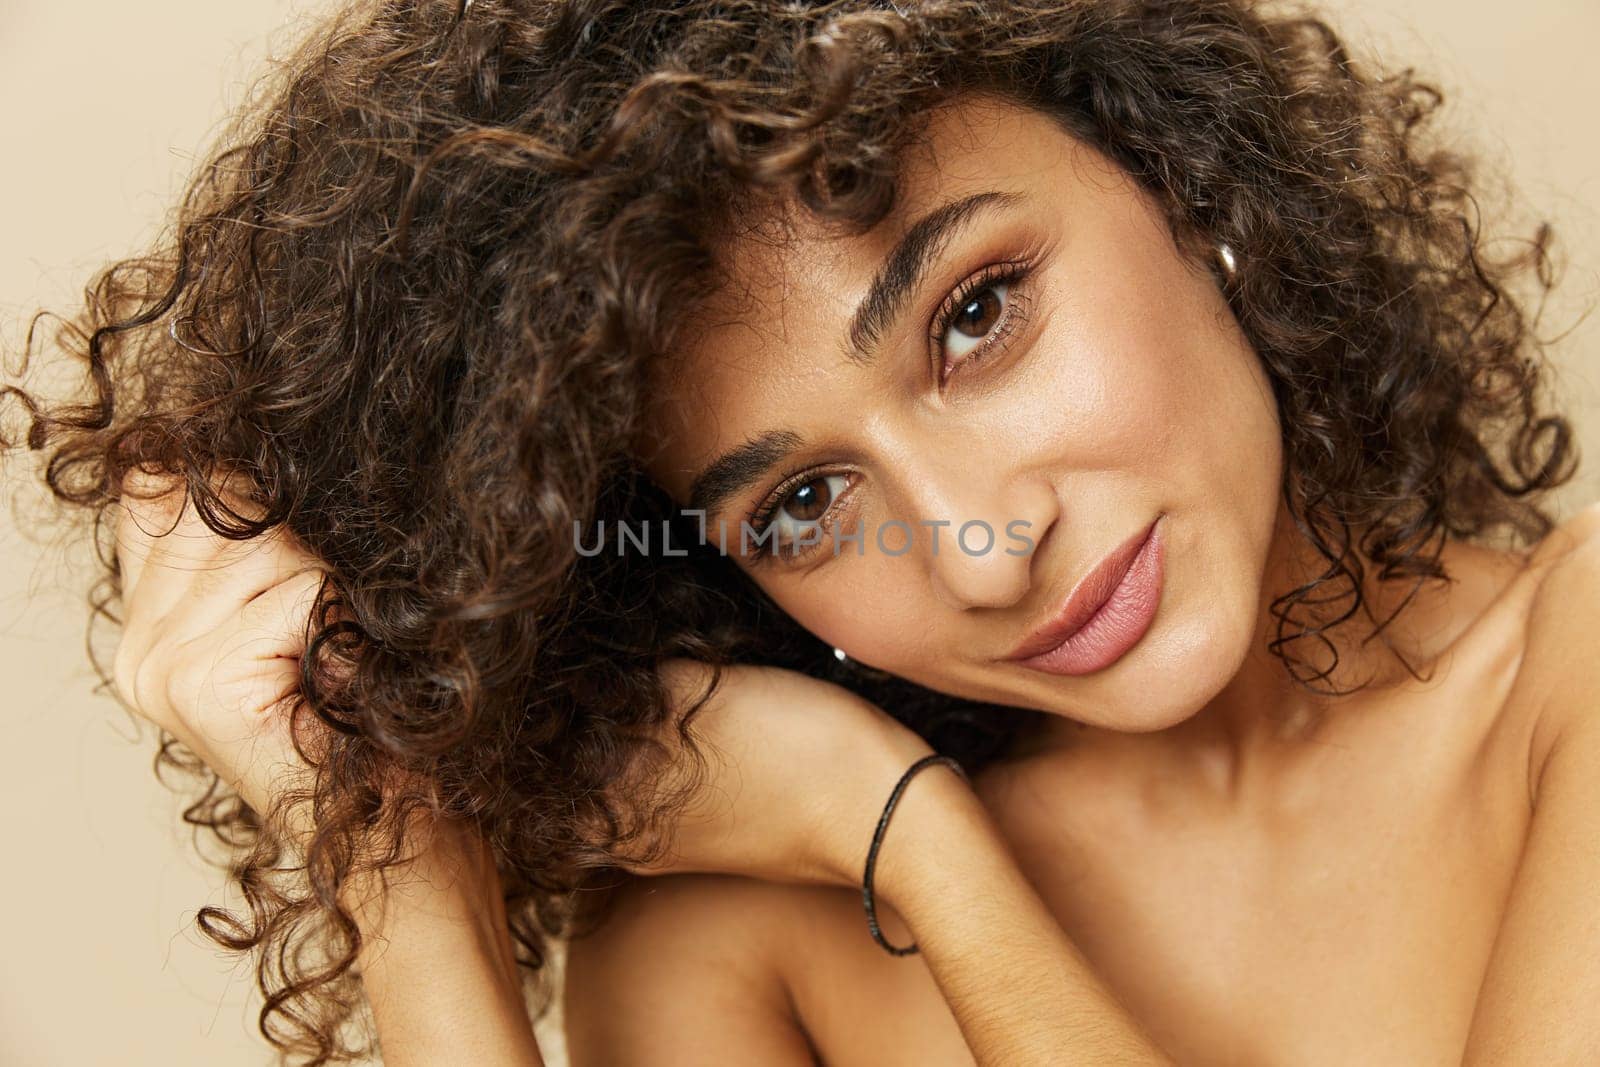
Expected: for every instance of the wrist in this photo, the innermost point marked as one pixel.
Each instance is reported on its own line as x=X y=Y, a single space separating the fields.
x=939 y=838
x=443 y=901
x=439 y=972
x=846 y=814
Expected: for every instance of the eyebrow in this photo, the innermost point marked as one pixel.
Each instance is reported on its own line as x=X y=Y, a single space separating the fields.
x=897 y=279
x=904 y=267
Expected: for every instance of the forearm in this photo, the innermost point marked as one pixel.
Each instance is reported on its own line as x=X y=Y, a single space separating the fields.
x=1017 y=986
x=438 y=969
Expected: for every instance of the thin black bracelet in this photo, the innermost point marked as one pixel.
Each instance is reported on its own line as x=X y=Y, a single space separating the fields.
x=877 y=839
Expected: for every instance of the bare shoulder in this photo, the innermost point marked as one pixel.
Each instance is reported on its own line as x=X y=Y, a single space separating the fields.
x=685 y=969
x=1562 y=619
x=1562 y=639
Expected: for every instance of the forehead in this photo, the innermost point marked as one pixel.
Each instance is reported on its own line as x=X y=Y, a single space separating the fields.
x=771 y=340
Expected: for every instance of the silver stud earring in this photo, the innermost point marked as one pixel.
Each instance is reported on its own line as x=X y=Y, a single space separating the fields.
x=858 y=670
x=1225 y=254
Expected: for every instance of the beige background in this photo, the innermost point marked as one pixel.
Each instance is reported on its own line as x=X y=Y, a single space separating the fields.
x=106 y=106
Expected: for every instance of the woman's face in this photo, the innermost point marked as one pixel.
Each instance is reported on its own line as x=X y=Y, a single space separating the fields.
x=1088 y=381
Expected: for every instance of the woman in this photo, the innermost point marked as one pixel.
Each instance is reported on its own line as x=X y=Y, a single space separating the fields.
x=1113 y=397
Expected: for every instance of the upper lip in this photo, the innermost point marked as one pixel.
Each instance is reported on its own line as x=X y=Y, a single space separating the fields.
x=1086 y=598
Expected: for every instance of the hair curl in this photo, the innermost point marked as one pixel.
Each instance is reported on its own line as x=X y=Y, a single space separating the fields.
x=413 y=293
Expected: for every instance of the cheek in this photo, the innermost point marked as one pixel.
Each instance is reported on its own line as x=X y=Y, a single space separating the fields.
x=1167 y=387
x=872 y=612
x=1106 y=384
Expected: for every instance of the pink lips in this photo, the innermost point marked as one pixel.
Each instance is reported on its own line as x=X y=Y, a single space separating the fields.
x=1106 y=614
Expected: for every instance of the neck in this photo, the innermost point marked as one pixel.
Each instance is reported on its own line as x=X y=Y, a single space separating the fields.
x=1262 y=705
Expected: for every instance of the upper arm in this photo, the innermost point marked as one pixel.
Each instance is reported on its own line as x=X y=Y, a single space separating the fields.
x=682 y=972
x=1538 y=1003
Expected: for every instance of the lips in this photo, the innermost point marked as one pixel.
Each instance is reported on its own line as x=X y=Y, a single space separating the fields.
x=1086 y=598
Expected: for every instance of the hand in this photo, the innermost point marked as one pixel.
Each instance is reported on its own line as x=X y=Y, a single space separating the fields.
x=213 y=634
x=798 y=773
x=213 y=631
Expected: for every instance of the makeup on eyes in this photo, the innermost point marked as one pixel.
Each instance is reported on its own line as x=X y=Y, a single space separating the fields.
x=907 y=269
x=1007 y=278
x=997 y=276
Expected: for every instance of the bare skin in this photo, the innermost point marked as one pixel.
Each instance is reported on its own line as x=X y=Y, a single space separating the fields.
x=213 y=629
x=1259 y=875
x=213 y=634
x=1346 y=885
x=1196 y=863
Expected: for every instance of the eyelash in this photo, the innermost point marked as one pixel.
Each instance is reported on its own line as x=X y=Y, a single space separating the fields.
x=1007 y=274
x=995 y=275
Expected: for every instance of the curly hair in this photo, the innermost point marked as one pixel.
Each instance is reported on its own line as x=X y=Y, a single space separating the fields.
x=413 y=293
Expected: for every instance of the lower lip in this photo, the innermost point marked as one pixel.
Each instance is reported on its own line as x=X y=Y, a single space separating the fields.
x=1119 y=623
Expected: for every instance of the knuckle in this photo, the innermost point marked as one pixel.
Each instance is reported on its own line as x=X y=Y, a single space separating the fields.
x=292 y=606
x=146 y=689
x=147 y=483
x=185 y=679
x=124 y=664
x=146 y=498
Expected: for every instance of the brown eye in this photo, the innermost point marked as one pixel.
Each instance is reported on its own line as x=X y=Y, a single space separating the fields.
x=975 y=320
x=804 y=507
x=810 y=501
x=978 y=317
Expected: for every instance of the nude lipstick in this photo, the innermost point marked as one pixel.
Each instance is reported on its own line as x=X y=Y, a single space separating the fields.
x=1106 y=614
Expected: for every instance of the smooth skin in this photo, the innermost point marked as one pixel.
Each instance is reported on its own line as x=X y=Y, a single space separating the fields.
x=213 y=630
x=1260 y=875
x=1200 y=864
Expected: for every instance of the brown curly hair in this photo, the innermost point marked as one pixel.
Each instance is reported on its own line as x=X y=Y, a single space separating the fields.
x=413 y=293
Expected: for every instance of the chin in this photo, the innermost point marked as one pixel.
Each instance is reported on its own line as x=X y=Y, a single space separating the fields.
x=1167 y=679
x=1192 y=664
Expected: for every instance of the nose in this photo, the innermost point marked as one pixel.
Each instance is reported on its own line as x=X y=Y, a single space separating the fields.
x=981 y=534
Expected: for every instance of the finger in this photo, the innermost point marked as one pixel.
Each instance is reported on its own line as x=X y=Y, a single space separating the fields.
x=280 y=615
x=188 y=569
x=146 y=508
x=169 y=647
x=159 y=509
x=241 y=573
x=233 y=684
x=272 y=631
x=245 y=734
